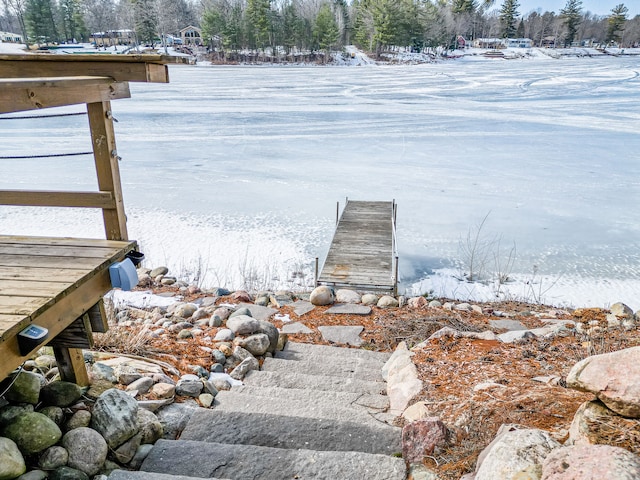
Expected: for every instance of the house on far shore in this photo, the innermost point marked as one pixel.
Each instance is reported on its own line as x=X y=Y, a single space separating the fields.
x=518 y=42
x=488 y=43
x=113 y=37
x=9 y=37
x=191 y=35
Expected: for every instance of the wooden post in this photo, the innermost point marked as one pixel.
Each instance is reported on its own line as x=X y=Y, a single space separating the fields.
x=106 y=159
x=71 y=365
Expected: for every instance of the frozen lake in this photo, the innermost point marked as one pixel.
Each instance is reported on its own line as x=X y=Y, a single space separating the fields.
x=236 y=171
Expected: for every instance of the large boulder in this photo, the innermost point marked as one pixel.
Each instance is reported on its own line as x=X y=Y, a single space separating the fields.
x=591 y=462
x=33 y=432
x=512 y=451
x=345 y=295
x=11 y=461
x=322 y=295
x=25 y=388
x=60 y=394
x=149 y=426
x=613 y=377
x=87 y=450
x=270 y=330
x=243 y=325
x=114 y=417
x=256 y=344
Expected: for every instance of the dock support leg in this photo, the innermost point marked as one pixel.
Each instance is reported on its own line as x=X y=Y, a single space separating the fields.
x=316 y=278
x=71 y=365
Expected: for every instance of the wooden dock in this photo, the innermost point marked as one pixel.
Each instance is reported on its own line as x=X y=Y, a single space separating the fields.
x=362 y=254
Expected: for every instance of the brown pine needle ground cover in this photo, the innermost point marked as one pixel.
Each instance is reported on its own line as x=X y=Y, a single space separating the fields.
x=451 y=367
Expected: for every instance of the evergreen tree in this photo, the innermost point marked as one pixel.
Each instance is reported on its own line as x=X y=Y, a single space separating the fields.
x=386 y=18
x=571 y=16
x=40 y=22
x=616 y=22
x=325 y=31
x=520 y=31
x=213 y=25
x=258 y=22
x=508 y=18
x=146 y=21
x=463 y=6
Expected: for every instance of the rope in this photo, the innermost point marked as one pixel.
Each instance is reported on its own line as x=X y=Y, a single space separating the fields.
x=50 y=155
x=52 y=115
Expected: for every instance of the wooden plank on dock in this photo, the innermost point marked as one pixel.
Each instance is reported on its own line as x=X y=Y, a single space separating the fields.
x=362 y=252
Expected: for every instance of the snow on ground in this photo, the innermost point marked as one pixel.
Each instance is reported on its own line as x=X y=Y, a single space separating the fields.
x=12 y=48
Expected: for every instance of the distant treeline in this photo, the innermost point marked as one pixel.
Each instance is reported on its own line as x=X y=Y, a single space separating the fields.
x=285 y=26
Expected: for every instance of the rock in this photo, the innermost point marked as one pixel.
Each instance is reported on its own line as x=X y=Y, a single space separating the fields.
x=402 y=379
x=347 y=296
x=613 y=377
x=594 y=424
x=100 y=371
x=349 y=309
x=221 y=384
x=184 y=310
x=224 y=335
x=67 y=473
x=241 y=296
x=226 y=350
x=158 y=271
x=621 y=311
x=126 y=374
x=142 y=385
x=149 y=426
x=54 y=413
x=53 y=457
x=114 y=417
x=532 y=472
x=463 y=307
x=11 y=461
x=10 y=412
x=512 y=451
x=417 y=411
x=343 y=335
x=387 y=301
x=210 y=388
x=138 y=458
x=256 y=344
x=33 y=475
x=245 y=366
x=163 y=390
x=174 y=418
x=423 y=437
x=296 y=327
x=369 y=299
x=216 y=368
x=33 y=432
x=218 y=356
x=417 y=302
x=222 y=312
x=125 y=452
x=418 y=471
x=205 y=399
x=591 y=462
x=25 y=388
x=322 y=295
x=215 y=321
x=60 y=394
x=81 y=418
x=87 y=450
x=435 y=304
x=507 y=324
x=189 y=386
x=241 y=310
x=445 y=332
x=243 y=325
x=302 y=307
x=270 y=330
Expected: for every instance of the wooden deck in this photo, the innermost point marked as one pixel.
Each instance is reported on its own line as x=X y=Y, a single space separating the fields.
x=362 y=253
x=50 y=282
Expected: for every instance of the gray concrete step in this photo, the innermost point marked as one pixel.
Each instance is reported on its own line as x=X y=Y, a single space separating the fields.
x=313 y=382
x=360 y=369
x=282 y=431
x=319 y=409
x=126 y=475
x=371 y=402
x=206 y=460
x=306 y=349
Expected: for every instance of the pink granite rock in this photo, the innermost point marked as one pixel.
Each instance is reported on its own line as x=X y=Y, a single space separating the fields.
x=422 y=437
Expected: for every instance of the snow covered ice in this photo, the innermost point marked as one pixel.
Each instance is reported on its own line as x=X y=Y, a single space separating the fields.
x=235 y=171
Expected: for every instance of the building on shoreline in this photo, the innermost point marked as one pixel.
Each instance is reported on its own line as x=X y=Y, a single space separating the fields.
x=9 y=37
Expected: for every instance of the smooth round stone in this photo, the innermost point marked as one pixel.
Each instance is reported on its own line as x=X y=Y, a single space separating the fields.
x=217 y=368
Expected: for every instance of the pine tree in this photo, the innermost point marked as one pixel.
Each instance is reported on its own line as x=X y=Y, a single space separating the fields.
x=40 y=21
x=325 y=30
x=463 y=6
x=259 y=22
x=146 y=22
x=571 y=16
x=616 y=22
x=508 y=18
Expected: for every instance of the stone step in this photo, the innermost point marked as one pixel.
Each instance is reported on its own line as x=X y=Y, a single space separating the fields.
x=126 y=475
x=282 y=431
x=371 y=402
x=206 y=460
x=326 y=366
x=304 y=349
x=264 y=378
x=320 y=409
